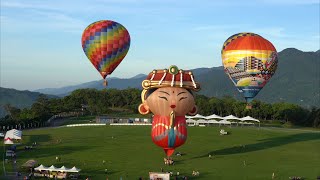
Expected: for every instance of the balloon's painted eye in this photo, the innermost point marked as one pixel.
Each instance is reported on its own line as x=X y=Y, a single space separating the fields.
x=182 y=98
x=162 y=97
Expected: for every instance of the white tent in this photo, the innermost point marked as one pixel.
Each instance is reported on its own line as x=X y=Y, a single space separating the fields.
x=197 y=116
x=225 y=122
x=41 y=168
x=191 y=122
x=8 y=141
x=231 y=117
x=202 y=122
x=248 y=118
x=52 y=168
x=213 y=122
x=63 y=169
x=213 y=116
x=74 y=169
x=13 y=134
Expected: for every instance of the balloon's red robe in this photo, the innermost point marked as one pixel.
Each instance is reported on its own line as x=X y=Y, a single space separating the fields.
x=169 y=135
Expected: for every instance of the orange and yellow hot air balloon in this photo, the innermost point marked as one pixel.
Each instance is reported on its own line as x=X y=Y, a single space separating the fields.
x=250 y=61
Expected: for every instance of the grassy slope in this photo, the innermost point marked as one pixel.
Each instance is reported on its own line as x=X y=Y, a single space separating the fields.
x=131 y=153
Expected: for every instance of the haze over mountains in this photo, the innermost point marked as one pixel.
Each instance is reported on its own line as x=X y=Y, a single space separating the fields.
x=297 y=80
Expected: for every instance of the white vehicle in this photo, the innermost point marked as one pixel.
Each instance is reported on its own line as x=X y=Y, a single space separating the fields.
x=1 y=135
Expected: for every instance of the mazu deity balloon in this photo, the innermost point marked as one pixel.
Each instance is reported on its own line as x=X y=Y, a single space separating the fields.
x=167 y=93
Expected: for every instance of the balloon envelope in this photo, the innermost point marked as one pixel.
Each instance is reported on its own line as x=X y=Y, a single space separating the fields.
x=250 y=61
x=105 y=43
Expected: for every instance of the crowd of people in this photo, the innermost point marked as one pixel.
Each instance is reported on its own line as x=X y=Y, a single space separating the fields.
x=168 y=161
x=195 y=173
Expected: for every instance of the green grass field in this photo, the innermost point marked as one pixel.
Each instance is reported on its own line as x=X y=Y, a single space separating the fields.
x=131 y=153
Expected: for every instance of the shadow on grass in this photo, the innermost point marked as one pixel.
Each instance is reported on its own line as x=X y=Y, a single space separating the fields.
x=265 y=144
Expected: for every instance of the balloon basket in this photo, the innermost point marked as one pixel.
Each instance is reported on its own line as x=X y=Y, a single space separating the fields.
x=248 y=106
x=105 y=83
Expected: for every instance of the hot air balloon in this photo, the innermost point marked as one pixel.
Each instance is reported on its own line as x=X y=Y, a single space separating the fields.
x=250 y=61
x=105 y=43
x=167 y=93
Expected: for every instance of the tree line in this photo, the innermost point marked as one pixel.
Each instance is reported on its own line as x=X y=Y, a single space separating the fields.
x=103 y=102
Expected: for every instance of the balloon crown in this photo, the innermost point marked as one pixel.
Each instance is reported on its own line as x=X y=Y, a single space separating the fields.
x=172 y=77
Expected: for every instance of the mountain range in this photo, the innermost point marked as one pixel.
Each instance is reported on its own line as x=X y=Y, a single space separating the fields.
x=297 y=80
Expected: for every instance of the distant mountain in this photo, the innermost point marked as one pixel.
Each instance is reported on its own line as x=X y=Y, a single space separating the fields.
x=296 y=81
x=19 y=99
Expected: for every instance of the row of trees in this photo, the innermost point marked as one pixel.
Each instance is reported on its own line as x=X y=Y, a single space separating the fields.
x=99 y=102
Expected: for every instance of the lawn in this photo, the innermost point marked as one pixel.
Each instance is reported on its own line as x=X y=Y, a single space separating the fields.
x=248 y=153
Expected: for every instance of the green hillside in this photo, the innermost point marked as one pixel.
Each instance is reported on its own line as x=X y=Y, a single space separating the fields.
x=19 y=99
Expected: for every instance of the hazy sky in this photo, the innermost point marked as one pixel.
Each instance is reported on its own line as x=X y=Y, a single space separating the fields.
x=41 y=39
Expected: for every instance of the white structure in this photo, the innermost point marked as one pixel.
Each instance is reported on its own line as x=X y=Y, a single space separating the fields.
x=197 y=116
x=13 y=134
x=248 y=118
x=224 y=122
x=212 y=122
x=231 y=117
x=213 y=116
x=53 y=168
x=191 y=122
x=202 y=122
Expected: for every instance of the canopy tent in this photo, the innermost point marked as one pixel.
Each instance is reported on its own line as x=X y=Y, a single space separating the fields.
x=225 y=122
x=13 y=134
x=191 y=122
x=213 y=122
x=53 y=168
x=63 y=169
x=41 y=168
x=197 y=116
x=202 y=122
x=231 y=117
x=74 y=169
x=248 y=118
x=213 y=116
x=8 y=141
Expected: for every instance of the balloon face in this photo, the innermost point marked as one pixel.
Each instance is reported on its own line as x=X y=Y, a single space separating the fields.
x=105 y=43
x=250 y=61
x=167 y=99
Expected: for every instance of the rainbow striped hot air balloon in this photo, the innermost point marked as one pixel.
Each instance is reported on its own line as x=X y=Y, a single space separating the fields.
x=250 y=61
x=105 y=43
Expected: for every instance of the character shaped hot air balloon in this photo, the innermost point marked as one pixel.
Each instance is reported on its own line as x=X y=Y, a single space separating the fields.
x=250 y=61
x=105 y=43
x=168 y=95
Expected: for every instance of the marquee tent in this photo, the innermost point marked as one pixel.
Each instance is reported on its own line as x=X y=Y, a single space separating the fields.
x=197 y=116
x=248 y=118
x=41 y=168
x=213 y=122
x=53 y=168
x=231 y=117
x=191 y=122
x=202 y=122
x=13 y=134
x=8 y=141
x=74 y=169
x=213 y=116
